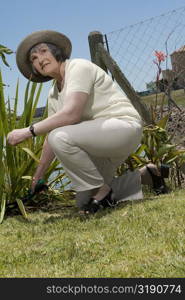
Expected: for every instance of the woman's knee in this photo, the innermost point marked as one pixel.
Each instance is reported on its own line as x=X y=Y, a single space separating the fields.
x=52 y=137
x=58 y=138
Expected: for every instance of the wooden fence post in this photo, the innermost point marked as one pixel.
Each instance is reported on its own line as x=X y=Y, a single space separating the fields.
x=95 y=38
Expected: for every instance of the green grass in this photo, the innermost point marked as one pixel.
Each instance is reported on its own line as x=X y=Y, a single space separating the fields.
x=137 y=239
x=178 y=96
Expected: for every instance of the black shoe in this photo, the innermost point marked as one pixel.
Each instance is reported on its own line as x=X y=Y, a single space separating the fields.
x=91 y=207
x=159 y=185
x=165 y=170
x=94 y=205
x=108 y=200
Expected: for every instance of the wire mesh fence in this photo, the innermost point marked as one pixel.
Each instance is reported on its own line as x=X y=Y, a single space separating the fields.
x=133 y=48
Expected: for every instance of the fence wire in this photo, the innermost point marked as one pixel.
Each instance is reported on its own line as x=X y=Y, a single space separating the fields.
x=133 y=48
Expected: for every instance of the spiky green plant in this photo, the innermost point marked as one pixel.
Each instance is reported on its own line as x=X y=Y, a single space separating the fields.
x=18 y=163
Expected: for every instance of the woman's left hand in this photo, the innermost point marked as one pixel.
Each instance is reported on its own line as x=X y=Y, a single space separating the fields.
x=17 y=136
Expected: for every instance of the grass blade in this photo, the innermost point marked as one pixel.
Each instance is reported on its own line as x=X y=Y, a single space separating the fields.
x=3 y=205
x=22 y=208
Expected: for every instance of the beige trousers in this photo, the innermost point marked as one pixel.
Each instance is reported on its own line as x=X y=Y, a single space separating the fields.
x=91 y=151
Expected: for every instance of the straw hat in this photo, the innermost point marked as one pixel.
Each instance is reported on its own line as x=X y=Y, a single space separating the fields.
x=43 y=36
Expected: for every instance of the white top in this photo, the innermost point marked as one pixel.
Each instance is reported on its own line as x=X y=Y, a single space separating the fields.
x=106 y=99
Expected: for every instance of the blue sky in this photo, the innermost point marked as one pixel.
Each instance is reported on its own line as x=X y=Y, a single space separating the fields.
x=75 y=18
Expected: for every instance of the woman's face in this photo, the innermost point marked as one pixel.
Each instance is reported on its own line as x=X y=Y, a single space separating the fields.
x=44 y=62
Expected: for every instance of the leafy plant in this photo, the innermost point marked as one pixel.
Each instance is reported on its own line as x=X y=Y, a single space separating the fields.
x=19 y=163
x=4 y=50
x=156 y=147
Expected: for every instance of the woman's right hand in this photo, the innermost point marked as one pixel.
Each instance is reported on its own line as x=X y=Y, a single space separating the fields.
x=35 y=179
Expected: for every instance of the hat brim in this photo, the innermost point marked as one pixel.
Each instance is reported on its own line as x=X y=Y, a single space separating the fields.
x=43 y=36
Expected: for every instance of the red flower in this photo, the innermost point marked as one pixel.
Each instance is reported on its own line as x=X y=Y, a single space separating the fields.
x=161 y=56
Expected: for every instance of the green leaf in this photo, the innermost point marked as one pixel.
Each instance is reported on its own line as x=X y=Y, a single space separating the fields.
x=22 y=208
x=60 y=176
x=3 y=205
x=3 y=115
x=164 y=150
x=31 y=154
x=27 y=177
x=138 y=159
x=35 y=101
x=5 y=50
x=4 y=59
x=171 y=160
x=163 y=122
x=141 y=149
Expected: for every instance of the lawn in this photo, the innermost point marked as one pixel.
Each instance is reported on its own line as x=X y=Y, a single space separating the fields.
x=137 y=239
x=178 y=96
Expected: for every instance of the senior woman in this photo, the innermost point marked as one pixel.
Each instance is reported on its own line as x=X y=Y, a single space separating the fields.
x=91 y=127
